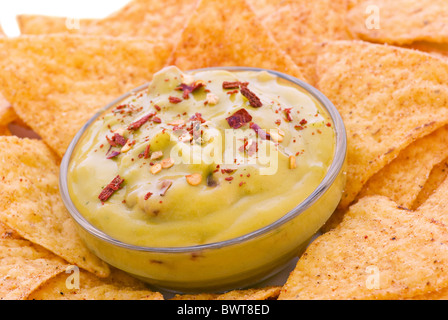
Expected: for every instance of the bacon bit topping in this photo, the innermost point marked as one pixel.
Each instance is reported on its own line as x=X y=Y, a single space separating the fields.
x=303 y=122
x=174 y=99
x=113 y=186
x=137 y=124
x=278 y=122
x=241 y=183
x=229 y=171
x=157 y=107
x=254 y=101
x=299 y=127
x=239 y=118
x=113 y=154
x=164 y=186
x=148 y=195
x=229 y=178
x=261 y=133
x=187 y=89
x=194 y=179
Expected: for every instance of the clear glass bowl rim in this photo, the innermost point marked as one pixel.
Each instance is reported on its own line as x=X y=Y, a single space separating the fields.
x=332 y=173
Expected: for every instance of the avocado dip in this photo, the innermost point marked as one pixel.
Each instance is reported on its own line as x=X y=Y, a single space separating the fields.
x=200 y=157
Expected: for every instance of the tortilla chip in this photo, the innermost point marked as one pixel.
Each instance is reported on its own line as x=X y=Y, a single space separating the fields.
x=264 y=8
x=267 y=293
x=30 y=202
x=299 y=26
x=77 y=75
x=228 y=33
x=437 y=176
x=377 y=252
x=387 y=96
x=403 y=178
x=24 y=266
x=40 y=24
x=158 y=20
x=401 y=21
x=436 y=49
x=118 y=286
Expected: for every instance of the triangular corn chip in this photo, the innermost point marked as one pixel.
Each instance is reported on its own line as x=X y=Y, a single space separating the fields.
x=377 y=252
x=74 y=76
x=161 y=20
x=267 y=293
x=30 y=202
x=400 y=21
x=228 y=33
x=118 y=286
x=387 y=96
x=24 y=266
x=299 y=26
x=437 y=176
x=403 y=178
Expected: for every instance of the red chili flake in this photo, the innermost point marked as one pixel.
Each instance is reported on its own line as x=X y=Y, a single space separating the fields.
x=197 y=117
x=174 y=99
x=147 y=153
x=241 y=183
x=119 y=139
x=254 y=101
x=111 y=141
x=113 y=186
x=187 y=89
x=328 y=124
x=229 y=171
x=137 y=124
x=261 y=133
x=157 y=107
x=278 y=122
x=232 y=92
x=156 y=120
x=113 y=154
x=164 y=186
x=288 y=114
x=303 y=122
x=148 y=195
x=298 y=127
x=239 y=118
x=229 y=178
x=231 y=85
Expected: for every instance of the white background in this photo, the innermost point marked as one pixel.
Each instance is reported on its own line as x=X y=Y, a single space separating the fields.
x=65 y=8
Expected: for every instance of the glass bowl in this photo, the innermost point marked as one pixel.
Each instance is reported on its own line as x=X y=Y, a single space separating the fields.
x=236 y=263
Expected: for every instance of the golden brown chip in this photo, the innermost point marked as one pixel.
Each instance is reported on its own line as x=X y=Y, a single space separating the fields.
x=75 y=76
x=387 y=96
x=436 y=49
x=24 y=266
x=264 y=8
x=403 y=178
x=161 y=20
x=377 y=252
x=436 y=206
x=118 y=286
x=30 y=202
x=438 y=174
x=228 y=33
x=7 y=113
x=299 y=26
x=267 y=293
x=400 y=21
x=40 y=24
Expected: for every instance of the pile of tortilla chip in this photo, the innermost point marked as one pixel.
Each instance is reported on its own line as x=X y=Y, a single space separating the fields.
x=383 y=64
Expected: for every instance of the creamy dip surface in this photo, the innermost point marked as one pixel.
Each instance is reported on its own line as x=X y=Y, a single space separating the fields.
x=200 y=157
